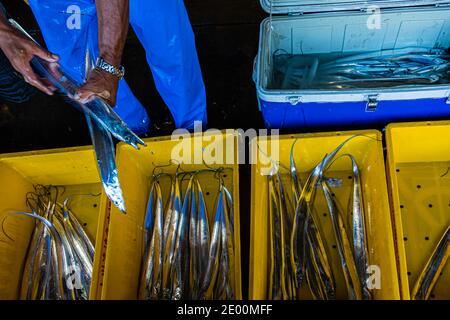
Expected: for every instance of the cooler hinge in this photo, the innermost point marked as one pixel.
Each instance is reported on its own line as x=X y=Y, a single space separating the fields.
x=372 y=103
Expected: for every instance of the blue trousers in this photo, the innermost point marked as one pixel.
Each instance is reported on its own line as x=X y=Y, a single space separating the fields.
x=70 y=29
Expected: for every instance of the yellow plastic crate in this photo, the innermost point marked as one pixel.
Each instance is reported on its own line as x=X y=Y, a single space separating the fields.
x=125 y=239
x=418 y=158
x=73 y=168
x=310 y=150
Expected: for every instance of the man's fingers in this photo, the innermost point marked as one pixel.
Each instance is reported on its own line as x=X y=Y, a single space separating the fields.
x=35 y=81
x=85 y=95
x=104 y=94
x=54 y=70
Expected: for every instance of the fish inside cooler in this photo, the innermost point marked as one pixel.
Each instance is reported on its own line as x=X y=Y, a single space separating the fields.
x=356 y=50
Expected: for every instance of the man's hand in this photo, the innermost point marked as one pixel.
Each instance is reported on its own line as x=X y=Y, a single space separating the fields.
x=100 y=83
x=20 y=50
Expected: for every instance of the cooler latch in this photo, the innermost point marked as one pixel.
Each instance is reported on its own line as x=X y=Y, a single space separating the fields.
x=372 y=103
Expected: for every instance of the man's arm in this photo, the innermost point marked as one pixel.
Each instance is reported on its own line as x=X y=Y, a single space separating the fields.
x=20 y=50
x=113 y=21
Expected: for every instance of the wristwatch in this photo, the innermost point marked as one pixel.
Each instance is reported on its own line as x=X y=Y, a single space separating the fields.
x=104 y=65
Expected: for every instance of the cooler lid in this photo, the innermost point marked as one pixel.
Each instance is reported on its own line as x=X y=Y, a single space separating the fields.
x=309 y=6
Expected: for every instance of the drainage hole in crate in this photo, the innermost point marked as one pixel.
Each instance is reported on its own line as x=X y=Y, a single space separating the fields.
x=225 y=175
x=430 y=206
x=402 y=206
x=398 y=170
x=409 y=273
x=350 y=177
x=95 y=205
x=334 y=246
x=325 y=214
x=427 y=238
x=419 y=186
x=405 y=239
x=84 y=224
x=432 y=296
x=207 y=193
